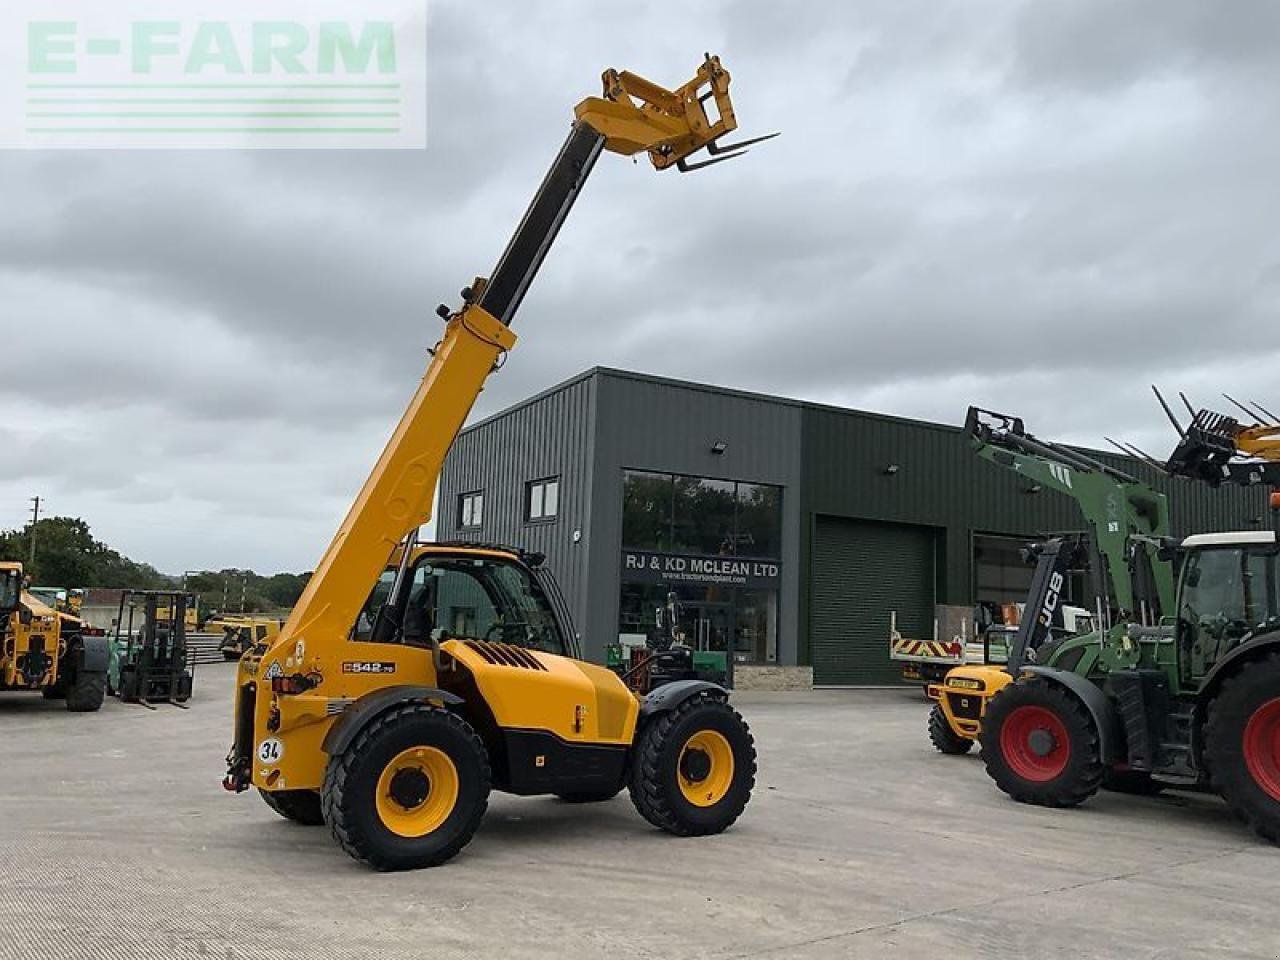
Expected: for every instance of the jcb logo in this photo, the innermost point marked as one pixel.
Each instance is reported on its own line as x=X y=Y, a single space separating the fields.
x=1052 y=598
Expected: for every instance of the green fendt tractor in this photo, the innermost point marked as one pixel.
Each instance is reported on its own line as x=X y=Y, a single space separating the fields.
x=1189 y=697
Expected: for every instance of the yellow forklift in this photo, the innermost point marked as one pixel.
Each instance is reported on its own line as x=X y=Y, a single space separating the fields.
x=389 y=706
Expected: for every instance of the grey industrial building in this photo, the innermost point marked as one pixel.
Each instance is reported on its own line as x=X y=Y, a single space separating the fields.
x=789 y=530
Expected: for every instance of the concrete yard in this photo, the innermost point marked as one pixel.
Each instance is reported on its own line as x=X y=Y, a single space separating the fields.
x=116 y=840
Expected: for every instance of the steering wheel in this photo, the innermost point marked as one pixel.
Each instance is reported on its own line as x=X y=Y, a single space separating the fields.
x=499 y=626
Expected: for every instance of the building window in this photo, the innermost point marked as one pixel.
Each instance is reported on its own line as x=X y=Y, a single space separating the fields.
x=542 y=499
x=471 y=510
x=671 y=512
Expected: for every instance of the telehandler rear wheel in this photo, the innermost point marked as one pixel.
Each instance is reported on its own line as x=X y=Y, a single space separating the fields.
x=300 y=806
x=410 y=789
x=944 y=739
x=1242 y=745
x=1040 y=745
x=693 y=768
x=86 y=691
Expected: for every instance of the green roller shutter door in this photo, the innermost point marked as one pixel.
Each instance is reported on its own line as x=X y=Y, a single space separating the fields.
x=860 y=572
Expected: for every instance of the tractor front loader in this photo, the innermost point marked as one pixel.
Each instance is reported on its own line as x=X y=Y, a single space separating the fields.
x=390 y=704
x=1125 y=521
x=44 y=650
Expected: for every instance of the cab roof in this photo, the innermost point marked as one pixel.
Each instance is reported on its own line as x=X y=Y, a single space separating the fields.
x=1237 y=539
x=469 y=548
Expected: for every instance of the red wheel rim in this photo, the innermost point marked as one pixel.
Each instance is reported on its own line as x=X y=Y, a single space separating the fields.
x=1035 y=743
x=1262 y=747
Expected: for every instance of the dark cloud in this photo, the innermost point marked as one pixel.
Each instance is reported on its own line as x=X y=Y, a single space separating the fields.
x=1034 y=206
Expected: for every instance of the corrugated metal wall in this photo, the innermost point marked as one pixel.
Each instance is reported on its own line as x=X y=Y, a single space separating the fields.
x=547 y=436
x=589 y=429
x=941 y=482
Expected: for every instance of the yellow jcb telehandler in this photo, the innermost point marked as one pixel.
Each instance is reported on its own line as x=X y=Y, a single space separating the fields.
x=45 y=650
x=388 y=710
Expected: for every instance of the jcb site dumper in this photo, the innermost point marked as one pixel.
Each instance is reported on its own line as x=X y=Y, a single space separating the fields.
x=390 y=710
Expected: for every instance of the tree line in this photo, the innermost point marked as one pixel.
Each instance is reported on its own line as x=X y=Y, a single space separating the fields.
x=68 y=555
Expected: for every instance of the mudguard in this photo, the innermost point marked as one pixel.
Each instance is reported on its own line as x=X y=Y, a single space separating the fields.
x=357 y=716
x=1260 y=645
x=92 y=654
x=670 y=695
x=1095 y=701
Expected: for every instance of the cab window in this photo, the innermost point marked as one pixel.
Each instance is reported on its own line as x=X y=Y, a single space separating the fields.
x=469 y=598
x=1226 y=593
x=10 y=589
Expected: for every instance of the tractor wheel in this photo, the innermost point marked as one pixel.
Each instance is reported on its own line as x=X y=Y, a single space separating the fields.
x=944 y=739
x=410 y=789
x=300 y=806
x=230 y=655
x=589 y=796
x=1134 y=782
x=693 y=768
x=1040 y=745
x=1242 y=745
x=86 y=691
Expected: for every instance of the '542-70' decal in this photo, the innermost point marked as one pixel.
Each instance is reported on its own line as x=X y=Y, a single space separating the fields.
x=368 y=666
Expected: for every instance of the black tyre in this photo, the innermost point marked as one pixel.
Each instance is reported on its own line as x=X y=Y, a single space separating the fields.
x=1134 y=782
x=300 y=806
x=55 y=692
x=230 y=655
x=589 y=796
x=86 y=691
x=410 y=790
x=1040 y=745
x=944 y=739
x=1242 y=745
x=693 y=768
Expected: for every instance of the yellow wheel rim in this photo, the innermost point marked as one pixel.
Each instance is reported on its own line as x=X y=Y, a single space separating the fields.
x=417 y=791
x=705 y=768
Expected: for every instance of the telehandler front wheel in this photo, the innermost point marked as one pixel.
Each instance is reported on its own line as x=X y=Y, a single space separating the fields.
x=1242 y=745
x=300 y=806
x=1040 y=745
x=410 y=789
x=693 y=769
x=944 y=739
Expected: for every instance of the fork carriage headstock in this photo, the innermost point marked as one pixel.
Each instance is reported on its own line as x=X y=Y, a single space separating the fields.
x=1218 y=448
x=636 y=115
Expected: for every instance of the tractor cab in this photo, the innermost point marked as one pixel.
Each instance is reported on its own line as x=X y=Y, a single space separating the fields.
x=1228 y=593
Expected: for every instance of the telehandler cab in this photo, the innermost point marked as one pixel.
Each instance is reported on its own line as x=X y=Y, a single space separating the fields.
x=389 y=710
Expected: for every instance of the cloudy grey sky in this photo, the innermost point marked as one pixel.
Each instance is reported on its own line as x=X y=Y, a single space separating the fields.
x=1040 y=207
